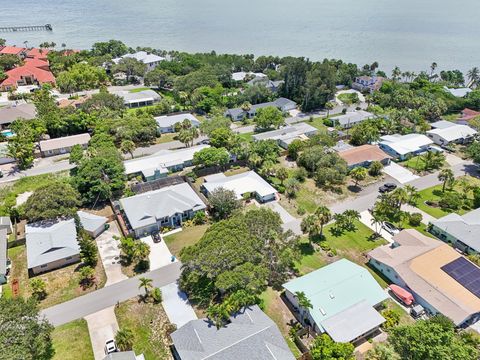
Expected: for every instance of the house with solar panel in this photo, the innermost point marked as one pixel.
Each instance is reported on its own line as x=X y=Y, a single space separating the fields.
x=440 y=279
x=462 y=231
x=344 y=297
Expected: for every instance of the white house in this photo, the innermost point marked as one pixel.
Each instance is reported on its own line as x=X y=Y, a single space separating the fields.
x=63 y=145
x=151 y=60
x=158 y=165
x=166 y=207
x=244 y=183
x=241 y=75
x=351 y=119
x=285 y=135
x=166 y=123
x=139 y=98
x=238 y=114
x=400 y=146
x=459 y=92
x=446 y=132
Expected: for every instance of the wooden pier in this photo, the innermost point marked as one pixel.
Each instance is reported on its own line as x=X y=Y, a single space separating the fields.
x=46 y=27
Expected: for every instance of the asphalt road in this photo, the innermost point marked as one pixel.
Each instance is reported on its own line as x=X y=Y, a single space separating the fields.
x=108 y=296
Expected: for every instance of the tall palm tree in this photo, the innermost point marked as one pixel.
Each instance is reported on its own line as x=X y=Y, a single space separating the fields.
x=412 y=194
x=146 y=284
x=376 y=221
x=447 y=177
x=329 y=106
x=432 y=68
x=324 y=216
x=473 y=76
x=124 y=339
x=396 y=73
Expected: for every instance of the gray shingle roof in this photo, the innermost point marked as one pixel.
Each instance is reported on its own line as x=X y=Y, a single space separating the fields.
x=91 y=222
x=50 y=241
x=145 y=209
x=64 y=142
x=12 y=113
x=170 y=120
x=251 y=335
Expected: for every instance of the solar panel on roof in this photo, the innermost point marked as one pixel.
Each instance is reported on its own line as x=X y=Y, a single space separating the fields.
x=465 y=273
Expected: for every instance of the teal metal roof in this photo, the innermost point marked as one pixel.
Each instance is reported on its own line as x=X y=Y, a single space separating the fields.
x=336 y=287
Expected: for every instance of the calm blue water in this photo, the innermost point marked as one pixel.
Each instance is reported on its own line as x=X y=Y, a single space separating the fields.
x=407 y=33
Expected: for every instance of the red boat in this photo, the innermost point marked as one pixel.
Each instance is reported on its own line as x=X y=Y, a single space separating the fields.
x=402 y=294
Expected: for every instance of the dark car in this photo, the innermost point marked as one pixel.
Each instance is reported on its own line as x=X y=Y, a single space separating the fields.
x=156 y=237
x=387 y=187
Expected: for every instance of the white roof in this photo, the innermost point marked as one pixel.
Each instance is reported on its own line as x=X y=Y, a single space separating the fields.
x=170 y=120
x=405 y=144
x=453 y=132
x=242 y=183
x=239 y=76
x=353 y=117
x=139 y=96
x=288 y=132
x=460 y=92
x=63 y=142
x=91 y=222
x=161 y=160
x=50 y=241
x=145 y=209
x=142 y=56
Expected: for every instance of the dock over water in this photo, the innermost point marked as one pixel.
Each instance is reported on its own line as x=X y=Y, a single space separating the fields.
x=46 y=27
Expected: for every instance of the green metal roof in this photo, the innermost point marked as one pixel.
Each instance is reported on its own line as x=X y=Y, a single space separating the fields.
x=336 y=287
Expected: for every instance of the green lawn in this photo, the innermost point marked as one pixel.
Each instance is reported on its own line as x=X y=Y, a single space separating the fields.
x=188 y=236
x=247 y=136
x=405 y=318
x=348 y=98
x=351 y=245
x=165 y=138
x=317 y=122
x=435 y=193
x=417 y=163
x=61 y=284
x=150 y=326
x=71 y=341
x=275 y=308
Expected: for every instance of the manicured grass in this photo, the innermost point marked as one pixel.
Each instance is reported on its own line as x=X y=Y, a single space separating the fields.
x=417 y=163
x=187 y=237
x=139 y=89
x=150 y=326
x=236 y=170
x=348 y=98
x=434 y=194
x=276 y=309
x=62 y=284
x=165 y=138
x=317 y=122
x=247 y=136
x=405 y=318
x=9 y=193
x=71 y=341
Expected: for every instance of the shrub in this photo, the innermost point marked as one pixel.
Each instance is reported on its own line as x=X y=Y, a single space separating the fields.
x=280 y=188
x=392 y=319
x=301 y=211
x=451 y=201
x=476 y=197
x=301 y=174
x=328 y=122
x=415 y=219
x=375 y=168
x=199 y=218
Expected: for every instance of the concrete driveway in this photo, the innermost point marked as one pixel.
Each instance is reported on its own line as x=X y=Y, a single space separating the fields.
x=366 y=219
x=102 y=326
x=109 y=251
x=159 y=253
x=453 y=160
x=289 y=222
x=399 y=173
x=176 y=305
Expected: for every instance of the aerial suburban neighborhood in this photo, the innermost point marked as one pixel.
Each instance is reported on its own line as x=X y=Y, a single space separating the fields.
x=168 y=205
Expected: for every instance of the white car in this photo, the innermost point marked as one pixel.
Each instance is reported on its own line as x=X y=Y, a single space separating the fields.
x=390 y=228
x=110 y=347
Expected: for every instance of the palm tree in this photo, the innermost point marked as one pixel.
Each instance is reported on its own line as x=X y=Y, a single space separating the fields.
x=400 y=197
x=146 y=284
x=311 y=226
x=324 y=216
x=124 y=339
x=376 y=221
x=282 y=174
x=412 y=194
x=396 y=72
x=255 y=160
x=447 y=177
x=473 y=76
x=303 y=302
x=329 y=106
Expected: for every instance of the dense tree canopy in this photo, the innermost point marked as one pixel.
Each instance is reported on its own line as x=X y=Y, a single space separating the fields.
x=81 y=76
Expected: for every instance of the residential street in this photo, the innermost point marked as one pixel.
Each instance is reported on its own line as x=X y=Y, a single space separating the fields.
x=109 y=296
x=11 y=174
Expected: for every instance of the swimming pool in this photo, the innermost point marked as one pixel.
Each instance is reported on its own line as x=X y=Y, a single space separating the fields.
x=8 y=133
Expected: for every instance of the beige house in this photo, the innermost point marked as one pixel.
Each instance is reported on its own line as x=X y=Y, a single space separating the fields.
x=63 y=145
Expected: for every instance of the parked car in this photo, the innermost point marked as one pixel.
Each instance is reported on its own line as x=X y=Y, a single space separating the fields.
x=110 y=346
x=390 y=228
x=1 y=174
x=156 y=237
x=387 y=187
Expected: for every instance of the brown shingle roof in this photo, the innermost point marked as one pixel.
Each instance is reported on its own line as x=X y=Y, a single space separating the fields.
x=363 y=153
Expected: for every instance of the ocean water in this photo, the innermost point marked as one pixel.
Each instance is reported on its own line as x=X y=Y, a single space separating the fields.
x=410 y=34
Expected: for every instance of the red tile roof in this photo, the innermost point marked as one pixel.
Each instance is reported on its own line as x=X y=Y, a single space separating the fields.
x=469 y=114
x=38 y=53
x=37 y=63
x=16 y=74
x=11 y=50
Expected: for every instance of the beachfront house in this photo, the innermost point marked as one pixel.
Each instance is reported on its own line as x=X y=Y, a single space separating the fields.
x=166 y=207
x=461 y=231
x=285 y=135
x=166 y=123
x=344 y=297
x=250 y=334
x=138 y=99
x=158 y=165
x=149 y=59
x=446 y=132
x=63 y=145
x=247 y=183
x=51 y=245
x=458 y=92
x=402 y=146
x=238 y=114
x=350 y=119
x=364 y=155
x=438 y=277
